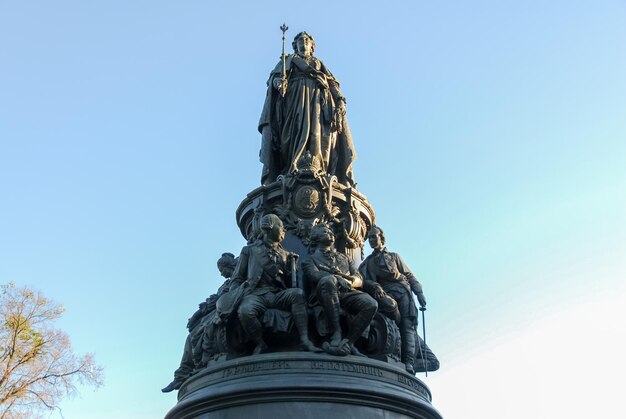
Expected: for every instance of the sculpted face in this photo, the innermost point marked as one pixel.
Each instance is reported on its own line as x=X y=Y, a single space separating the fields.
x=277 y=233
x=273 y=229
x=304 y=46
x=226 y=271
x=326 y=237
x=376 y=242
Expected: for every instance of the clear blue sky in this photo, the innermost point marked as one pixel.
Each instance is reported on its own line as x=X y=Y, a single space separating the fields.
x=491 y=141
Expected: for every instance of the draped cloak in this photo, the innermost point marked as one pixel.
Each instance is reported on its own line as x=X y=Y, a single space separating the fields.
x=303 y=121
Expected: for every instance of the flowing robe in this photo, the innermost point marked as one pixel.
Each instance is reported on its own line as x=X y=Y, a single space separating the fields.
x=304 y=120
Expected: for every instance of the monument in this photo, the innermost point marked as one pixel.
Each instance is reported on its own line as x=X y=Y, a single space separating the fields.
x=305 y=326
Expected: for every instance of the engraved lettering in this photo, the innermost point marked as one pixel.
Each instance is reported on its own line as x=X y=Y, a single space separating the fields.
x=317 y=365
x=345 y=367
x=413 y=384
x=251 y=368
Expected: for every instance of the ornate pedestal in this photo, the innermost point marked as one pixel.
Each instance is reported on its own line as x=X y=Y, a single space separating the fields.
x=303 y=200
x=303 y=385
x=300 y=282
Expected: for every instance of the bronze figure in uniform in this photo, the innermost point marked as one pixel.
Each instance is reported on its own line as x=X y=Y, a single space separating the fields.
x=201 y=327
x=265 y=271
x=386 y=275
x=334 y=283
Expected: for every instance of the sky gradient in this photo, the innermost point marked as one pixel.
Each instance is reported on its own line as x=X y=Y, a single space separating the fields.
x=491 y=142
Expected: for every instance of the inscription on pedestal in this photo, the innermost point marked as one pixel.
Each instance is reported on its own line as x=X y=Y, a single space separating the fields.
x=314 y=366
x=407 y=381
x=345 y=367
x=301 y=381
x=251 y=368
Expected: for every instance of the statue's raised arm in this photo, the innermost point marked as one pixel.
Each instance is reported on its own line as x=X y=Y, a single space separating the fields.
x=304 y=111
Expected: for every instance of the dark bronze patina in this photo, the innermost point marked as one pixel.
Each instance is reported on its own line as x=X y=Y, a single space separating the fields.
x=253 y=342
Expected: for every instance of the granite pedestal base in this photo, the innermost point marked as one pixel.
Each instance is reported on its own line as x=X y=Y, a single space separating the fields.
x=303 y=385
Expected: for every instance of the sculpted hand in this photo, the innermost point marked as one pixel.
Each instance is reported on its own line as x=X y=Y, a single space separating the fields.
x=400 y=277
x=343 y=283
x=339 y=118
x=379 y=293
x=280 y=85
x=421 y=299
x=357 y=282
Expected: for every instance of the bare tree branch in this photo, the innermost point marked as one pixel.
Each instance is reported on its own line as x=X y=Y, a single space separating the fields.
x=38 y=367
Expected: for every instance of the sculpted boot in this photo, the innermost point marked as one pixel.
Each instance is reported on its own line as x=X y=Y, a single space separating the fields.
x=301 y=319
x=407 y=334
x=174 y=385
x=331 y=310
x=366 y=312
x=254 y=330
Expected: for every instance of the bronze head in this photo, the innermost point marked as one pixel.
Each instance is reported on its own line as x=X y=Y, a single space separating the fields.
x=376 y=237
x=322 y=234
x=272 y=227
x=310 y=43
x=226 y=264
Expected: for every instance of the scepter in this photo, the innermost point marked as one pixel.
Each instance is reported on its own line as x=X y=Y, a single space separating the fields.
x=283 y=86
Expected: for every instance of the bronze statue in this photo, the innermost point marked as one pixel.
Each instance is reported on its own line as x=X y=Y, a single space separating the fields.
x=264 y=278
x=385 y=274
x=334 y=281
x=201 y=327
x=304 y=111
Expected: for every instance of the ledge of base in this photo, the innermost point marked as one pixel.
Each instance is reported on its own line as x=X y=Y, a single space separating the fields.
x=303 y=385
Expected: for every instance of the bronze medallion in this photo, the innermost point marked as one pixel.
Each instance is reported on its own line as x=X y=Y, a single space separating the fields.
x=306 y=200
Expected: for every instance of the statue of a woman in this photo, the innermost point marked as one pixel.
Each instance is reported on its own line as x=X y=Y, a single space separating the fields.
x=305 y=112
